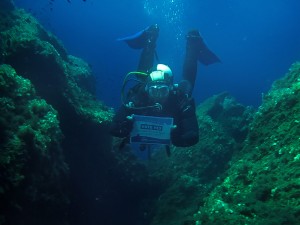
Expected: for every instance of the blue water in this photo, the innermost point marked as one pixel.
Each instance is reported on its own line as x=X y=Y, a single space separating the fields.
x=256 y=40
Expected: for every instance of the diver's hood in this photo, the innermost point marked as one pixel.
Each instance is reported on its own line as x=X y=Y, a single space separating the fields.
x=162 y=74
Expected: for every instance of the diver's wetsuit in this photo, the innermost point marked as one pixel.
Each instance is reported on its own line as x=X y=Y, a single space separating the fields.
x=179 y=105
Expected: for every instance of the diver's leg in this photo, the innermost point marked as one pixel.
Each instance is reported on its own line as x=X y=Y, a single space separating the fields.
x=148 y=53
x=196 y=50
x=147 y=58
x=190 y=61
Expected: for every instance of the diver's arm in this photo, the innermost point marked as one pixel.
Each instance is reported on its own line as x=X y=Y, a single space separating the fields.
x=121 y=126
x=187 y=131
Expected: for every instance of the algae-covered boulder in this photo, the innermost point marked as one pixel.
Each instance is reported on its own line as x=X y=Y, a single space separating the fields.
x=262 y=186
x=31 y=158
x=190 y=173
x=66 y=85
x=82 y=74
x=61 y=79
x=80 y=92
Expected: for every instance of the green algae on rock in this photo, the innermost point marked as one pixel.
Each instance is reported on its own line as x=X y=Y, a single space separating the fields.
x=190 y=173
x=81 y=90
x=59 y=78
x=30 y=144
x=67 y=84
x=262 y=186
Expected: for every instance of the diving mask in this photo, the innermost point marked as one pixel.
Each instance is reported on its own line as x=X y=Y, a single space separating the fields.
x=158 y=91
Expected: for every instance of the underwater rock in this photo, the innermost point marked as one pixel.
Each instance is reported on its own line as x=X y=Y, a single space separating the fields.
x=22 y=34
x=262 y=184
x=30 y=154
x=98 y=179
x=190 y=173
x=82 y=74
x=39 y=56
x=233 y=117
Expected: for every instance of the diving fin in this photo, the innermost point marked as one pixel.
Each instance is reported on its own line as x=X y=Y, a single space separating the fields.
x=204 y=54
x=207 y=57
x=142 y=38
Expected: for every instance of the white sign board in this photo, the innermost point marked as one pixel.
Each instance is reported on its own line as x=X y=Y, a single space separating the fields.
x=151 y=130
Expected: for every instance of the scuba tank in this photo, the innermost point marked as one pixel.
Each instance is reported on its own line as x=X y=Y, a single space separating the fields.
x=136 y=76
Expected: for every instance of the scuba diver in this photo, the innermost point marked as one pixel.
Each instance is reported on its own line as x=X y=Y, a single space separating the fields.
x=156 y=95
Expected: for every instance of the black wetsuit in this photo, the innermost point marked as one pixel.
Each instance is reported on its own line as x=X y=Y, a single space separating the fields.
x=180 y=106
